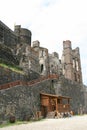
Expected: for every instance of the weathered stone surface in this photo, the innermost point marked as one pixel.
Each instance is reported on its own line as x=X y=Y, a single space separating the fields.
x=73 y=89
x=7 y=75
x=23 y=101
x=7 y=36
x=71 y=64
x=7 y=56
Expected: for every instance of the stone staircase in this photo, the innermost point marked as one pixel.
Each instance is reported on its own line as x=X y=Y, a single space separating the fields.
x=30 y=83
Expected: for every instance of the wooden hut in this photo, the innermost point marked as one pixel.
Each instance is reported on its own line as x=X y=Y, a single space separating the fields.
x=50 y=103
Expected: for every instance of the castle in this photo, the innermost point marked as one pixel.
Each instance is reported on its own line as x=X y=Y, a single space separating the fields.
x=37 y=58
x=36 y=61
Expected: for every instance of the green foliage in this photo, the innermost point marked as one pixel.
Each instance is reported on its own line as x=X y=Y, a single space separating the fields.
x=11 y=124
x=12 y=67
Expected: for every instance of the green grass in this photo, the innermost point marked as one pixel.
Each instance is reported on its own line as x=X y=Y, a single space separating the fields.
x=13 y=68
x=12 y=124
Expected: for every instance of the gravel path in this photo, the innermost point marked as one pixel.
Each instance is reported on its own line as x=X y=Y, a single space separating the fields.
x=73 y=123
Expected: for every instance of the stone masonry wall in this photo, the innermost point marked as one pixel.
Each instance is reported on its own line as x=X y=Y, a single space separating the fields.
x=23 y=101
x=85 y=95
x=7 y=75
x=72 y=89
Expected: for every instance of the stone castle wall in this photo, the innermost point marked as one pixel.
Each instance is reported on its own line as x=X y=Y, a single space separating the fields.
x=7 y=76
x=12 y=38
x=23 y=101
x=7 y=36
x=72 y=89
x=23 y=34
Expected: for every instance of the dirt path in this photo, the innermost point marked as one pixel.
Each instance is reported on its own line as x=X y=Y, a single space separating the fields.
x=73 y=123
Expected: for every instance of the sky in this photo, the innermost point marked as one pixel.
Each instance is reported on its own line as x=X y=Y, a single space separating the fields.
x=51 y=22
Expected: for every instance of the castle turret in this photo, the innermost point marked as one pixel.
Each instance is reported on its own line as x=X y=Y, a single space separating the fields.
x=36 y=45
x=77 y=65
x=67 y=55
x=23 y=34
x=71 y=62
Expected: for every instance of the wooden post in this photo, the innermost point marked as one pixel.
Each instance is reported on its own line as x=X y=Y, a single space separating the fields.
x=56 y=105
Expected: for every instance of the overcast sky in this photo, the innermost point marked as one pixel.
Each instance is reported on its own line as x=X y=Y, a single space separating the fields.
x=51 y=22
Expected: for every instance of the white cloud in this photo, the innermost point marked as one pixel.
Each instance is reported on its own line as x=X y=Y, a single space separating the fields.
x=51 y=22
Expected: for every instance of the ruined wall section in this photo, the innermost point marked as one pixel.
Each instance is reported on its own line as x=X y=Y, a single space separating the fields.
x=43 y=58
x=29 y=58
x=67 y=60
x=71 y=63
x=54 y=63
x=77 y=65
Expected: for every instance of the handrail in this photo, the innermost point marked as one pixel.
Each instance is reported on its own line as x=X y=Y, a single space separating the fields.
x=32 y=82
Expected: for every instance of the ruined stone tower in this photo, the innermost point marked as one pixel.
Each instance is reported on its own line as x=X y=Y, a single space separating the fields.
x=71 y=62
x=43 y=57
x=24 y=35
